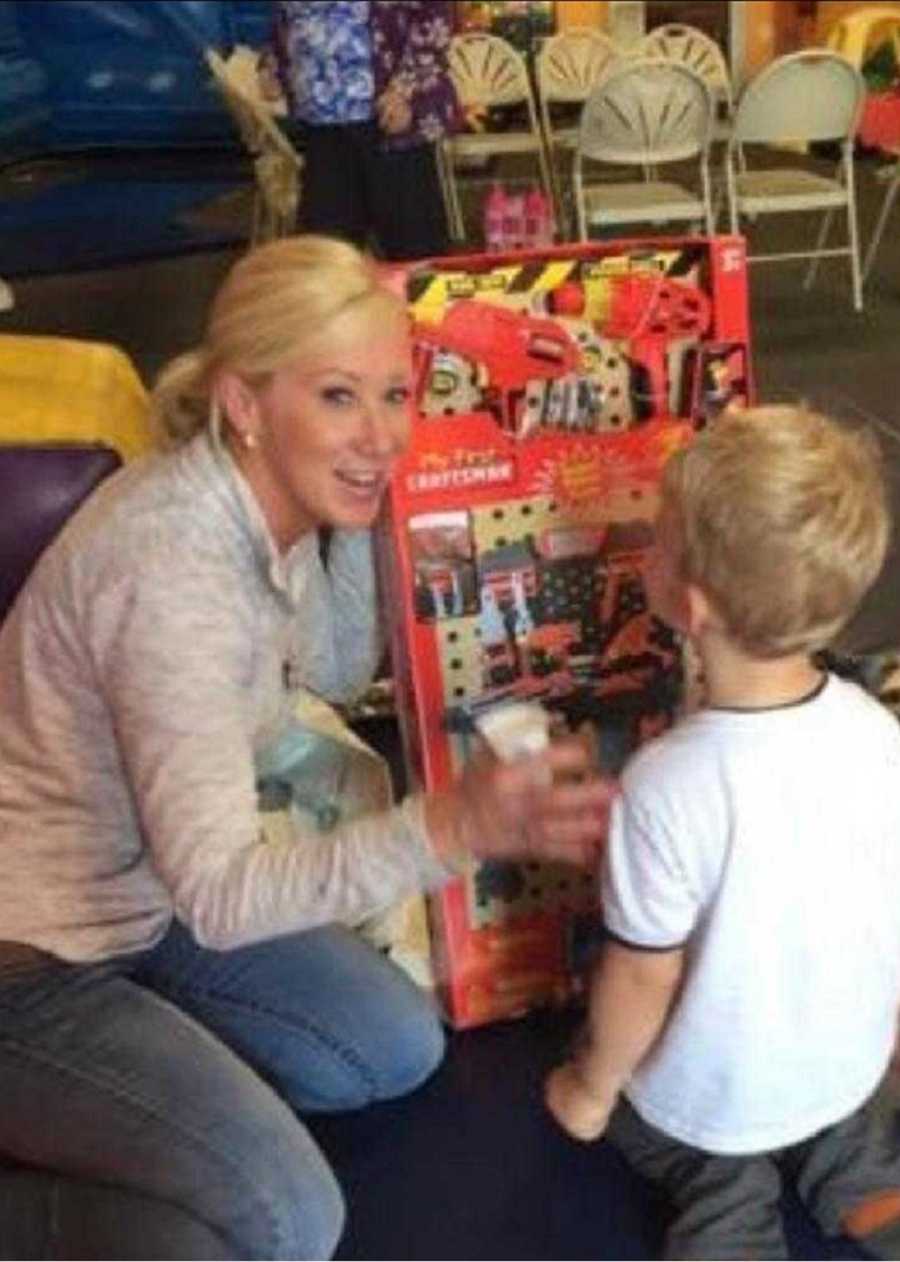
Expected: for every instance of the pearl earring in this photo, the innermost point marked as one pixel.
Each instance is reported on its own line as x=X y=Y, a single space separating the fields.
x=249 y=441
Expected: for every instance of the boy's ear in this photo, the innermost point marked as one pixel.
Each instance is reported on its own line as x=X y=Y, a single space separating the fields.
x=699 y=611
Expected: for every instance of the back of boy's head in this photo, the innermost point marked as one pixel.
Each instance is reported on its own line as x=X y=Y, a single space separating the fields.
x=782 y=521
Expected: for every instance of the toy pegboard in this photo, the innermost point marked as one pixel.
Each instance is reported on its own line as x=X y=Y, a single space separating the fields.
x=550 y=388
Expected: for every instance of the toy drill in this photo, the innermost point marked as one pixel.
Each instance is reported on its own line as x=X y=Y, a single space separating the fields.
x=647 y=311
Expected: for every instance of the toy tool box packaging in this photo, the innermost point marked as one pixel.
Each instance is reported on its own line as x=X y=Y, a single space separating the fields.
x=550 y=388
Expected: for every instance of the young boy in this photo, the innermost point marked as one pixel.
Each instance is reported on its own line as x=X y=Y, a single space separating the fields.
x=744 y=1008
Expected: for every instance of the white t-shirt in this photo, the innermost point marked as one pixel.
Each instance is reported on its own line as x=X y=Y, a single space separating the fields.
x=767 y=843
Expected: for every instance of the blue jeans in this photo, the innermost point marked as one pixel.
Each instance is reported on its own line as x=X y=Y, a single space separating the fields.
x=157 y=1097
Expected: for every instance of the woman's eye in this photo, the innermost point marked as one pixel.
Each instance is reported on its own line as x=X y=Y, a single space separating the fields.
x=340 y=396
x=398 y=396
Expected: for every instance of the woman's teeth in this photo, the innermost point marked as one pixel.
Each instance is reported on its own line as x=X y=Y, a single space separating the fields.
x=361 y=481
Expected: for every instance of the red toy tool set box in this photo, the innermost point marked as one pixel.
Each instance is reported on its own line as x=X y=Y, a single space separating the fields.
x=549 y=388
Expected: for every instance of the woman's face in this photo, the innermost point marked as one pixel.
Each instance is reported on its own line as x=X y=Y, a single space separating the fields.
x=328 y=429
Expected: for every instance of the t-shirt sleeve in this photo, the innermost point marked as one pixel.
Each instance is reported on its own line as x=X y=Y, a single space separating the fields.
x=646 y=895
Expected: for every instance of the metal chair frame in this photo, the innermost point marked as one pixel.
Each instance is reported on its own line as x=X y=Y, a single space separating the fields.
x=813 y=95
x=645 y=113
x=890 y=174
x=568 y=66
x=488 y=73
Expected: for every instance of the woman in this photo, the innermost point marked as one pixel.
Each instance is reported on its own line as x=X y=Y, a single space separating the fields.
x=369 y=82
x=175 y=988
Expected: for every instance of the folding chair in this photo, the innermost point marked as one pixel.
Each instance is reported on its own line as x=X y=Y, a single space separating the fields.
x=489 y=75
x=568 y=65
x=813 y=95
x=645 y=113
x=694 y=48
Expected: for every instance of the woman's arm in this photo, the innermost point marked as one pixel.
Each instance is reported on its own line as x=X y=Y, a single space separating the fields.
x=174 y=651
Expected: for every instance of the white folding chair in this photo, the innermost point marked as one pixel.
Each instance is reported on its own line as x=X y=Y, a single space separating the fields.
x=645 y=113
x=488 y=74
x=813 y=95
x=276 y=164
x=694 y=48
x=891 y=176
x=568 y=65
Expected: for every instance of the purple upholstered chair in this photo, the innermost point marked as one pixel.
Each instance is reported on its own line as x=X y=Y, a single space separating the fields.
x=41 y=485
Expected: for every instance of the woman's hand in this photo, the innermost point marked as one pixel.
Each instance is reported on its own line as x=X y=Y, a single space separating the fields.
x=394 y=112
x=579 y=1112
x=549 y=806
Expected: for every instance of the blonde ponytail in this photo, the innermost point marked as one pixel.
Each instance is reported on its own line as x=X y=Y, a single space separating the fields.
x=180 y=397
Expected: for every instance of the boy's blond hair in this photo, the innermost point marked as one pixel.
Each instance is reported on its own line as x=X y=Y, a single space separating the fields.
x=782 y=521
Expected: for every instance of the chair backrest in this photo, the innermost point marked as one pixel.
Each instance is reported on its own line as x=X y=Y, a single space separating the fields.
x=693 y=47
x=487 y=71
x=573 y=62
x=811 y=95
x=645 y=112
x=40 y=487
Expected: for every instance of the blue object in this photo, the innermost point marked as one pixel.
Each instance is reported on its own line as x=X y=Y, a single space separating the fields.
x=24 y=108
x=85 y=219
x=123 y=71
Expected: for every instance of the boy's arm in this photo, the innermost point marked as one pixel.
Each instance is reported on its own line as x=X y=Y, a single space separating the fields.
x=631 y=993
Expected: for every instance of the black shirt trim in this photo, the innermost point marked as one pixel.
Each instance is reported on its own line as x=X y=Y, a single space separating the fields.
x=643 y=946
x=782 y=705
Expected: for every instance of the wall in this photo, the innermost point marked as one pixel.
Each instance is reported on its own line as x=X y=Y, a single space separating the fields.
x=580 y=13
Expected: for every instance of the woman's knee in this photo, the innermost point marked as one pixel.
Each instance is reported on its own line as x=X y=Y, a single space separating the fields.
x=418 y=1048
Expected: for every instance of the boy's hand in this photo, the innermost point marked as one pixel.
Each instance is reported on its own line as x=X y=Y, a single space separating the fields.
x=579 y=1111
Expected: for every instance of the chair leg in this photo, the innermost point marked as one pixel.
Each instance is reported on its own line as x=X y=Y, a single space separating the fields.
x=853 y=237
x=886 y=206
x=578 y=199
x=448 y=192
x=813 y=268
x=710 y=215
x=457 y=227
x=549 y=182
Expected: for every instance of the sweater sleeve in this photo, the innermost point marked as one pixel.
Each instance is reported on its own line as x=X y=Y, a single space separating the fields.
x=172 y=649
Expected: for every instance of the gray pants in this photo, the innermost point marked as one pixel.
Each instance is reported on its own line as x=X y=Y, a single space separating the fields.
x=728 y=1207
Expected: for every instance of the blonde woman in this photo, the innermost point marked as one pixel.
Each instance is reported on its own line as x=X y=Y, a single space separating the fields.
x=174 y=989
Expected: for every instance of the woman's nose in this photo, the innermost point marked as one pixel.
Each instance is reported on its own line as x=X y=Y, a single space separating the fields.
x=387 y=429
